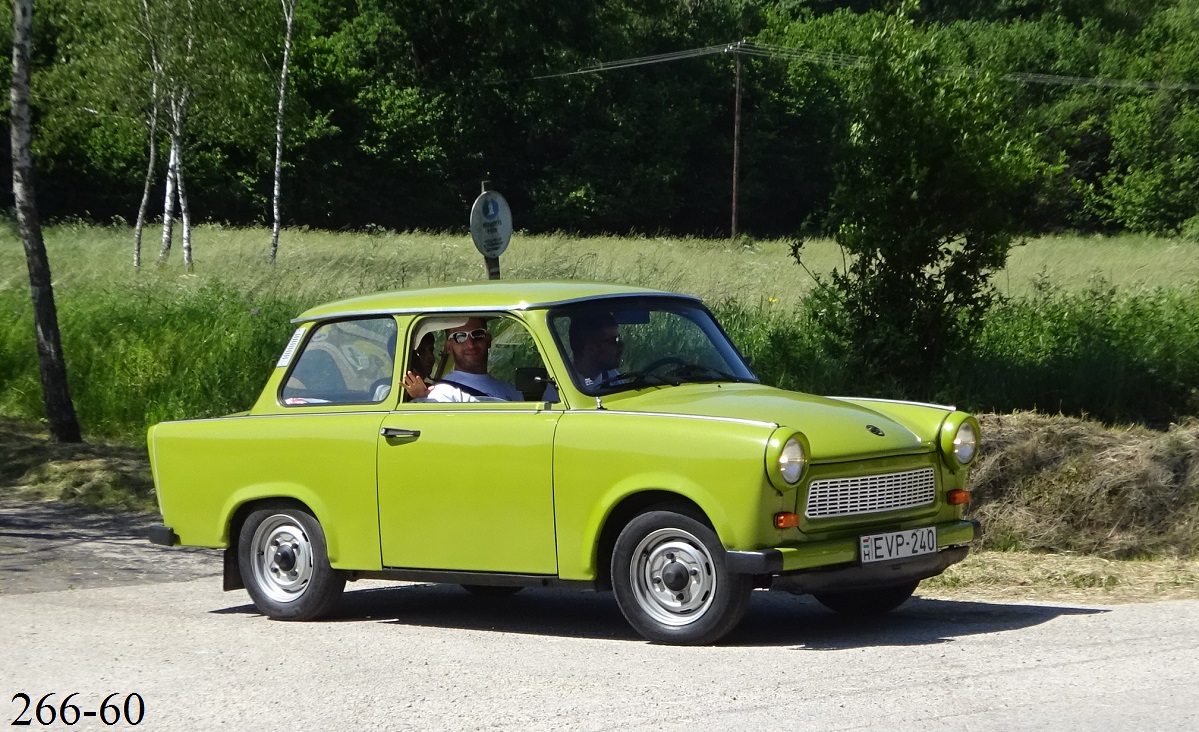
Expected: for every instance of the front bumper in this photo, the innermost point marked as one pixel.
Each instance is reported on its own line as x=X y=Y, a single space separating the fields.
x=841 y=556
x=866 y=576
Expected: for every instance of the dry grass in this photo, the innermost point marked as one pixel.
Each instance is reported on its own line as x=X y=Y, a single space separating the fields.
x=96 y=474
x=1060 y=484
x=1066 y=578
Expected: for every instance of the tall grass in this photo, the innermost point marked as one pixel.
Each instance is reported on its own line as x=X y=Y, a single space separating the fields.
x=1098 y=352
x=140 y=355
x=164 y=344
x=1116 y=357
x=321 y=265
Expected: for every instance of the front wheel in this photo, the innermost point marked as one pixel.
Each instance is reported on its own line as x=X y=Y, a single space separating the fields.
x=284 y=563
x=867 y=603
x=671 y=583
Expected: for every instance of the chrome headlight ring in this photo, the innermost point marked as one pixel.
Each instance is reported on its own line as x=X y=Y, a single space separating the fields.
x=959 y=440
x=787 y=458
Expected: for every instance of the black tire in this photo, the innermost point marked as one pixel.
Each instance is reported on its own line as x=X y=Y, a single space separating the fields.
x=671 y=583
x=284 y=563
x=492 y=590
x=867 y=603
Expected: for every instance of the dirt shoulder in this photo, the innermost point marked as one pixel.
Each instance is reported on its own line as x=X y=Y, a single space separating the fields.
x=50 y=545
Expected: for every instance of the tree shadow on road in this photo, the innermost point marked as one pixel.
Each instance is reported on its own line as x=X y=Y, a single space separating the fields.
x=774 y=618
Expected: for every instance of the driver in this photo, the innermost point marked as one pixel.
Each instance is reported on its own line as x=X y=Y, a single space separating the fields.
x=596 y=349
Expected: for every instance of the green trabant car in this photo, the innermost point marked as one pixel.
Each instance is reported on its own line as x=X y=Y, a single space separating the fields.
x=642 y=455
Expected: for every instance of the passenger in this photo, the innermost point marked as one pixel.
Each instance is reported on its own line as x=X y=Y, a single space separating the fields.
x=422 y=360
x=469 y=381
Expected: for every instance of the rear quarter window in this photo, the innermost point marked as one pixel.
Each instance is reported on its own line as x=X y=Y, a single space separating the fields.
x=344 y=362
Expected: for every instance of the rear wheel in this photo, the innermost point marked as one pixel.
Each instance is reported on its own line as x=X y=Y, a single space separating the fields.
x=671 y=583
x=866 y=603
x=284 y=563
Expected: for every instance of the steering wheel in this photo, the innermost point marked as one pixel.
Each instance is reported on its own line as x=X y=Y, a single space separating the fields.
x=666 y=361
x=640 y=376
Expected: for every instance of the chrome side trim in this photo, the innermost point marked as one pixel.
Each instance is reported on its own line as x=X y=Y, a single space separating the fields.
x=701 y=417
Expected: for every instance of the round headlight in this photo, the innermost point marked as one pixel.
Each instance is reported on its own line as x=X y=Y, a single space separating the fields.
x=791 y=461
x=965 y=444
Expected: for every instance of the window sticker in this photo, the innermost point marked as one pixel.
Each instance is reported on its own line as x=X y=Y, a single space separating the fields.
x=290 y=351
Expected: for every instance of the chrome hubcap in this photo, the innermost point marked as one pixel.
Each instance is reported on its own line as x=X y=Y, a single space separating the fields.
x=673 y=577
x=282 y=558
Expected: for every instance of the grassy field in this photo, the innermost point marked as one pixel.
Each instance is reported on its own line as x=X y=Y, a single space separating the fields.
x=314 y=266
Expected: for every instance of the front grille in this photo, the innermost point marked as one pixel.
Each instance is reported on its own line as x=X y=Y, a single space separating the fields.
x=871 y=493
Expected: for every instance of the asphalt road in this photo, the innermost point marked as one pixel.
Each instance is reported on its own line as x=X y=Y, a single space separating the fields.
x=433 y=657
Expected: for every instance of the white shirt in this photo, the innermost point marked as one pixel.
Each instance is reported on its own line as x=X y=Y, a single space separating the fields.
x=442 y=392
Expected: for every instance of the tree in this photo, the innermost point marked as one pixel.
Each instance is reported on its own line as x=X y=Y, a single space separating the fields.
x=289 y=15
x=155 y=104
x=1155 y=133
x=56 y=394
x=926 y=171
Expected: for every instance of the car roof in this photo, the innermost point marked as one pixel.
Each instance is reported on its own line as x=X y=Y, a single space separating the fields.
x=480 y=297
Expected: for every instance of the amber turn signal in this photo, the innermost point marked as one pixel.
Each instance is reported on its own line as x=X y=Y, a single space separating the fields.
x=786 y=520
x=957 y=497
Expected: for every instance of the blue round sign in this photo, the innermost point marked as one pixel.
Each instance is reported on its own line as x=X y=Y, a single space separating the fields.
x=491 y=224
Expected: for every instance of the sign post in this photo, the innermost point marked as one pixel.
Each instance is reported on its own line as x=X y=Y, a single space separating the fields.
x=491 y=228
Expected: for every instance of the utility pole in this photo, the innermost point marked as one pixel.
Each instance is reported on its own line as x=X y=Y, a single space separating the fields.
x=736 y=50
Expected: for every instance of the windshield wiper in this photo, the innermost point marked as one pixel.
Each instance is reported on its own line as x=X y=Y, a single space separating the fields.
x=698 y=372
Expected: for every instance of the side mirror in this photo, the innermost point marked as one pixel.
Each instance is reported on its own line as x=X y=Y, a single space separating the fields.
x=531 y=381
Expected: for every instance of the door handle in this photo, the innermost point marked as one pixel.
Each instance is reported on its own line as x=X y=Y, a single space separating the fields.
x=396 y=432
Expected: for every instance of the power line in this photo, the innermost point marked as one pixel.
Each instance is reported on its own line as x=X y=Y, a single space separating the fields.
x=639 y=61
x=844 y=60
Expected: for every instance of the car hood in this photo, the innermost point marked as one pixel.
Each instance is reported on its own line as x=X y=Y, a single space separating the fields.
x=836 y=430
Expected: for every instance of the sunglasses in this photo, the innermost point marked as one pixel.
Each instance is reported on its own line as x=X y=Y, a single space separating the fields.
x=460 y=336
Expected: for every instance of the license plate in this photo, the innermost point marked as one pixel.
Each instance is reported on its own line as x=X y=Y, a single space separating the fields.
x=898 y=544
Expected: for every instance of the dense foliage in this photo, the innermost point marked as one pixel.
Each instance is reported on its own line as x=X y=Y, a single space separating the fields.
x=399 y=108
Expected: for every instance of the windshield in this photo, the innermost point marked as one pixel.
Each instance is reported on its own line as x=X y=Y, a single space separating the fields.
x=617 y=345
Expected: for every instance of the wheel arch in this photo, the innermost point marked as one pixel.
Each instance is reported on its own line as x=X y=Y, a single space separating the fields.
x=629 y=508
x=237 y=519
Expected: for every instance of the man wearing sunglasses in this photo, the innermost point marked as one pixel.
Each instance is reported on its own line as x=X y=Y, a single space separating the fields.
x=596 y=348
x=469 y=345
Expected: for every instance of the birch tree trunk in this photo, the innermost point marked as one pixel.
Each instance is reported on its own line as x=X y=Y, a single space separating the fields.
x=178 y=122
x=168 y=202
x=56 y=395
x=149 y=182
x=289 y=11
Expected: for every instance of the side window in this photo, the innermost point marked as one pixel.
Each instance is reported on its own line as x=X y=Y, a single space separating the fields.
x=344 y=362
x=490 y=358
x=514 y=358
